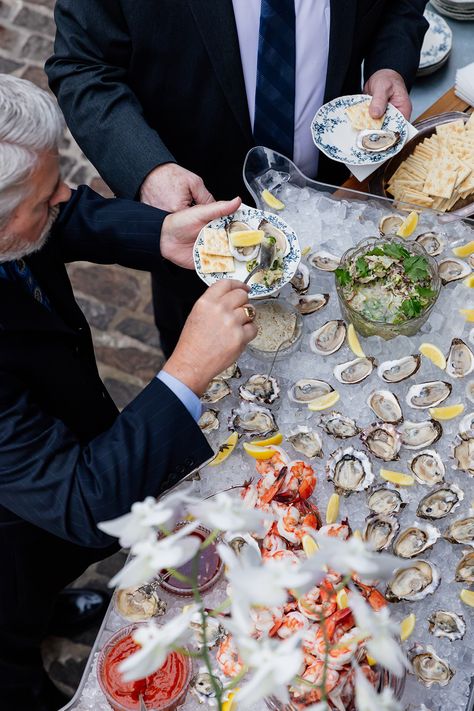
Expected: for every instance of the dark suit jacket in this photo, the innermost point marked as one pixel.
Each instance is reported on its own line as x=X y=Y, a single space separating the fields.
x=143 y=82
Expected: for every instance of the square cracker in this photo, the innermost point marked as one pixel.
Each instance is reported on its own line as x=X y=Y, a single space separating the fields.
x=442 y=177
x=211 y=263
x=215 y=241
x=452 y=128
x=361 y=119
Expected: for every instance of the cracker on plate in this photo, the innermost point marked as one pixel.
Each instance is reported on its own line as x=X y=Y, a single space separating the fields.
x=361 y=119
x=215 y=241
x=211 y=263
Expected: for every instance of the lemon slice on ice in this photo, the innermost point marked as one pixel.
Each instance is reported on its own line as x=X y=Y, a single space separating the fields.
x=310 y=546
x=323 y=402
x=469 y=281
x=259 y=452
x=468 y=314
x=464 y=250
x=371 y=661
x=342 y=600
x=397 y=477
x=408 y=225
x=274 y=439
x=305 y=251
x=434 y=354
x=230 y=704
x=357 y=534
x=407 y=625
x=272 y=201
x=447 y=412
x=246 y=238
x=467 y=596
x=354 y=343
x=332 y=511
x=225 y=450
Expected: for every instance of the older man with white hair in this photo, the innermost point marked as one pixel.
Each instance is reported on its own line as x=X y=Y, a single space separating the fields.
x=68 y=459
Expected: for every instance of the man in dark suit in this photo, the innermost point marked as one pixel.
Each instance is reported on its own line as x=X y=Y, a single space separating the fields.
x=68 y=459
x=166 y=97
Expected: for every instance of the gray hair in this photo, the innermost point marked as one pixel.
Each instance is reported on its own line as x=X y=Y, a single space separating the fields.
x=30 y=123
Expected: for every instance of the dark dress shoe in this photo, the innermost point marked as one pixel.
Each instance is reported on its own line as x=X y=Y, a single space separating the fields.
x=76 y=609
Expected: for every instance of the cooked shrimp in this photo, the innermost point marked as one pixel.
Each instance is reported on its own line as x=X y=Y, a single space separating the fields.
x=289 y=624
x=273 y=542
x=316 y=675
x=337 y=530
x=317 y=603
x=227 y=657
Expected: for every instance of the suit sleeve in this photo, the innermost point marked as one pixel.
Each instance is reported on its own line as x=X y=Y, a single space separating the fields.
x=52 y=481
x=88 y=74
x=398 y=39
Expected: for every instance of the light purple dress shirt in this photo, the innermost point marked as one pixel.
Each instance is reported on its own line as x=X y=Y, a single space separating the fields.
x=312 y=50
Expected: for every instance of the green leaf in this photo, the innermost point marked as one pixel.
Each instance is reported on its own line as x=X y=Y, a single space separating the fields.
x=425 y=292
x=416 y=267
x=375 y=252
x=343 y=276
x=410 y=308
x=362 y=267
x=271 y=239
x=395 y=251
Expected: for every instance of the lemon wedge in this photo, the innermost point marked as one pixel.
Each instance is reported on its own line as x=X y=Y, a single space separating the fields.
x=305 y=251
x=467 y=596
x=272 y=201
x=468 y=314
x=397 y=477
x=464 y=250
x=257 y=452
x=357 y=534
x=225 y=450
x=434 y=354
x=447 y=412
x=332 y=511
x=310 y=546
x=371 y=661
x=246 y=238
x=469 y=281
x=342 y=600
x=323 y=402
x=407 y=625
x=409 y=225
x=230 y=704
x=354 y=343
x=274 y=439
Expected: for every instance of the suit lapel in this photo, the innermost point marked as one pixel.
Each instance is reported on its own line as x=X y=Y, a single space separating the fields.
x=216 y=23
x=343 y=14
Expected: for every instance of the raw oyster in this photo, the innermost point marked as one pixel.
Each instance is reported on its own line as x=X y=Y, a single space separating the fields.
x=308 y=389
x=240 y=542
x=338 y=426
x=202 y=688
x=375 y=140
x=260 y=388
x=414 y=582
x=463 y=453
x=428 y=467
x=386 y=406
x=251 y=419
x=139 y=603
x=209 y=421
x=242 y=254
x=329 y=338
x=432 y=242
x=281 y=243
x=354 y=371
x=466 y=426
x=349 y=470
x=394 y=371
x=306 y=441
x=465 y=569
x=443 y=623
x=428 y=667
x=440 y=502
x=233 y=371
x=385 y=501
x=425 y=395
x=325 y=261
x=382 y=440
x=214 y=631
x=300 y=281
x=389 y=224
x=416 y=435
x=311 y=303
x=460 y=359
x=415 y=539
x=452 y=269
x=461 y=531
x=216 y=390
x=380 y=530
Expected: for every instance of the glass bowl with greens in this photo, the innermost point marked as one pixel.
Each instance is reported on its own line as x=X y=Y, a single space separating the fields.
x=387 y=286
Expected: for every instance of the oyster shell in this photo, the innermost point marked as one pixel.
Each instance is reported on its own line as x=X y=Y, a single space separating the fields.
x=428 y=467
x=300 y=281
x=460 y=359
x=414 y=582
x=281 y=243
x=461 y=531
x=209 y=421
x=463 y=453
x=260 y=388
x=306 y=441
x=375 y=140
x=242 y=254
x=425 y=395
x=428 y=667
x=251 y=419
x=349 y=470
x=329 y=338
x=440 y=502
x=202 y=688
x=382 y=440
x=240 y=542
x=385 y=501
x=466 y=426
x=386 y=406
x=308 y=389
x=325 y=261
x=414 y=540
x=443 y=623
x=311 y=303
x=233 y=371
x=214 y=631
x=452 y=269
x=416 y=435
x=432 y=242
x=380 y=530
x=465 y=569
x=389 y=224
x=354 y=371
x=216 y=390
x=338 y=426
x=394 y=371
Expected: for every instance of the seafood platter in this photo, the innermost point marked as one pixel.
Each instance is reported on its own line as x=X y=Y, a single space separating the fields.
x=373 y=436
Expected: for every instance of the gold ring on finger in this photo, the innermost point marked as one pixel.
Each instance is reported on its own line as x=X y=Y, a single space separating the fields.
x=250 y=312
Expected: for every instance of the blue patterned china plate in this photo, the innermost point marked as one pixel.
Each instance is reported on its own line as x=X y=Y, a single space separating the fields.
x=438 y=41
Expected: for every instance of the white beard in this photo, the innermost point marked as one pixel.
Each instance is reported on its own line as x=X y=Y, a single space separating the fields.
x=16 y=249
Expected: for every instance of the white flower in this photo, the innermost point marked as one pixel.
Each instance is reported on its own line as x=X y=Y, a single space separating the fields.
x=156 y=642
x=367 y=698
x=227 y=513
x=353 y=556
x=381 y=631
x=153 y=555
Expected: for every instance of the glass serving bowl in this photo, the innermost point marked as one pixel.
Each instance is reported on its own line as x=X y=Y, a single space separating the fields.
x=368 y=327
x=283 y=307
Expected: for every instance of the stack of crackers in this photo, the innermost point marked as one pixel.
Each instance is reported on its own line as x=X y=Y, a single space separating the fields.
x=440 y=171
x=215 y=253
x=361 y=119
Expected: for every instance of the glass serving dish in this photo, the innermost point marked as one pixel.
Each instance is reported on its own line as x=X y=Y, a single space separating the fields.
x=364 y=325
x=282 y=347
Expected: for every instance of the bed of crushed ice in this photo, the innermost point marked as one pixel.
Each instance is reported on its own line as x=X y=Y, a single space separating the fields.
x=326 y=223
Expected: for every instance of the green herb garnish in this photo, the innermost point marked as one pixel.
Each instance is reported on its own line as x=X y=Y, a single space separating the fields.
x=395 y=251
x=343 y=276
x=411 y=308
x=416 y=267
x=362 y=267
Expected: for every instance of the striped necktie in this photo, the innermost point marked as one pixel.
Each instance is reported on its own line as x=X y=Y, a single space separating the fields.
x=274 y=123
x=19 y=271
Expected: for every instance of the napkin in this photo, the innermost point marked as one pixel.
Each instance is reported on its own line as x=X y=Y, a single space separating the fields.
x=464 y=86
x=361 y=172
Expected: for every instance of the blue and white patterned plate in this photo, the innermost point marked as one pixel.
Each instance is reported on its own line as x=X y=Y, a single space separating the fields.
x=438 y=41
x=333 y=134
x=252 y=217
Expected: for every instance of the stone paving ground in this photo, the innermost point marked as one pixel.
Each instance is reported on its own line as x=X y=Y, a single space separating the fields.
x=116 y=301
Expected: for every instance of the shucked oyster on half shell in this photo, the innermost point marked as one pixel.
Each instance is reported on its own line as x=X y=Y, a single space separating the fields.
x=465 y=569
x=242 y=254
x=281 y=243
x=216 y=390
x=416 y=435
x=386 y=406
x=377 y=140
x=354 y=371
x=432 y=242
x=325 y=261
x=233 y=371
x=425 y=395
x=349 y=470
x=452 y=269
x=380 y=530
x=414 y=582
x=209 y=421
x=428 y=667
x=301 y=279
x=460 y=359
x=306 y=441
x=414 y=540
x=251 y=419
x=461 y=531
x=466 y=426
x=338 y=425
x=394 y=371
x=440 y=502
x=443 y=623
x=463 y=453
x=308 y=389
x=329 y=338
x=202 y=687
x=382 y=440
x=428 y=467
x=311 y=302
x=260 y=388
x=385 y=501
